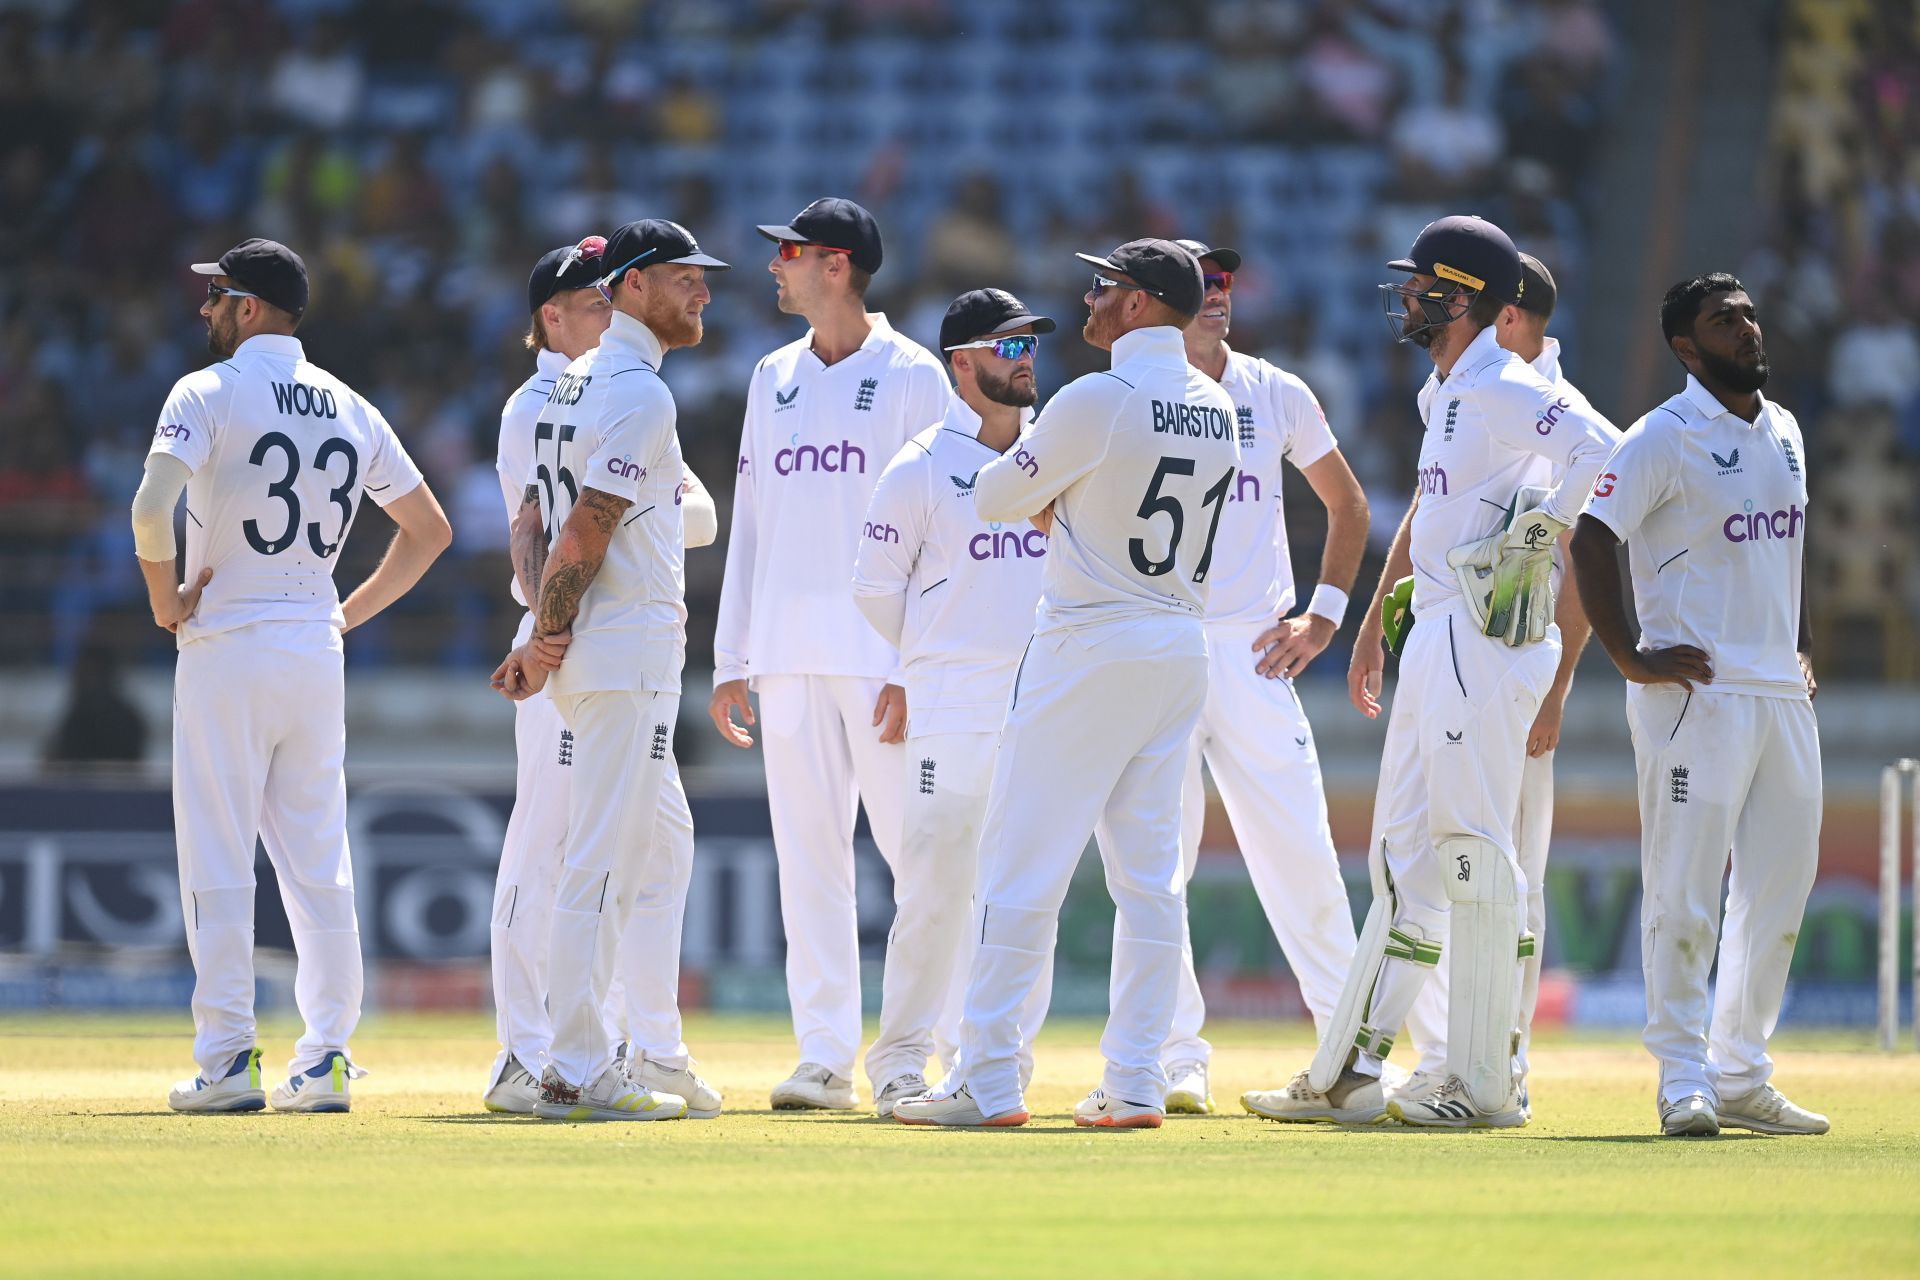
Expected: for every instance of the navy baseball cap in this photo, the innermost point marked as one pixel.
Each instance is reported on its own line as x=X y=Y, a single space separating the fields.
x=267 y=268
x=986 y=313
x=1229 y=259
x=1540 y=294
x=835 y=223
x=1467 y=250
x=1161 y=267
x=653 y=242
x=571 y=266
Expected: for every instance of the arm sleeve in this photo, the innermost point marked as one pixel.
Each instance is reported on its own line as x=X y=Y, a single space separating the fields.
x=697 y=509
x=1054 y=450
x=185 y=429
x=1634 y=480
x=160 y=489
x=1526 y=412
x=391 y=473
x=630 y=445
x=735 y=623
x=892 y=534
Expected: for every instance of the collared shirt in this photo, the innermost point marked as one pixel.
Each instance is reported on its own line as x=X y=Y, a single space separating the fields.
x=513 y=461
x=1713 y=510
x=970 y=585
x=608 y=424
x=1494 y=424
x=280 y=452
x=1275 y=417
x=1137 y=463
x=811 y=450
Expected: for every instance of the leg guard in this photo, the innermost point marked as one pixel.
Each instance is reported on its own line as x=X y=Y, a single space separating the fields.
x=1352 y=1025
x=1484 y=987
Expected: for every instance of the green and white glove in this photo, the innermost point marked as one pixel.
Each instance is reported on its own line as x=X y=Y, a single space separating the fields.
x=1396 y=613
x=1506 y=576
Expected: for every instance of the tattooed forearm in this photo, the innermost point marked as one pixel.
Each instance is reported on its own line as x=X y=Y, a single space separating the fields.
x=528 y=546
x=560 y=597
x=576 y=557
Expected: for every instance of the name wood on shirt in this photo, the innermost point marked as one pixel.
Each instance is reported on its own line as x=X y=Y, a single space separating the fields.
x=299 y=398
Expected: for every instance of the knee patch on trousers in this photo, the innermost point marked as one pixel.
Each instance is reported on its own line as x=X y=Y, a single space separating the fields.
x=1153 y=918
x=214 y=908
x=581 y=891
x=1018 y=928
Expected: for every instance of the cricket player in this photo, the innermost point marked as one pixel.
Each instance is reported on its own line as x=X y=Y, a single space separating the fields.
x=1253 y=732
x=610 y=631
x=1131 y=468
x=1521 y=329
x=274 y=456
x=568 y=316
x=956 y=595
x=1709 y=492
x=824 y=414
x=1473 y=675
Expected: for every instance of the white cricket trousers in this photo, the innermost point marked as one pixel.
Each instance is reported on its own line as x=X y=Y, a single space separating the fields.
x=1256 y=741
x=643 y=1007
x=824 y=758
x=1720 y=774
x=259 y=740
x=1451 y=768
x=1532 y=834
x=947 y=780
x=624 y=747
x=1090 y=740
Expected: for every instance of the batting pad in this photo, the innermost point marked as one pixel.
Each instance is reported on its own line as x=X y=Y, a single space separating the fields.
x=1483 y=1000
x=1348 y=1022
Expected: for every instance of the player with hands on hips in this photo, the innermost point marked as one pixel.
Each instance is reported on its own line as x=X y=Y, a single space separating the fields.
x=275 y=457
x=1709 y=492
x=1135 y=464
x=605 y=477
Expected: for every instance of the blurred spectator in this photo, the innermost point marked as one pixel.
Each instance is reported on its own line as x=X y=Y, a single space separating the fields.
x=100 y=724
x=1876 y=360
x=1449 y=144
x=318 y=82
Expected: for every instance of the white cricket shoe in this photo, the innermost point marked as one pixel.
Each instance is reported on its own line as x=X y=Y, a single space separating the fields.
x=1187 y=1091
x=1395 y=1083
x=1353 y=1099
x=612 y=1097
x=238 y=1090
x=1766 y=1110
x=1691 y=1116
x=956 y=1110
x=1452 y=1107
x=1101 y=1110
x=514 y=1090
x=703 y=1100
x=813 y=1087
x=911 y=1084
x=320 y=1088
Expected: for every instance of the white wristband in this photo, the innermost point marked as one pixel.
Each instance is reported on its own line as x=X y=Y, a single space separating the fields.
x=1329 y=602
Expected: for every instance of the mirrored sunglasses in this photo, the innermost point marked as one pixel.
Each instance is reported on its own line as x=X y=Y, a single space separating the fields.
x=1018 y=347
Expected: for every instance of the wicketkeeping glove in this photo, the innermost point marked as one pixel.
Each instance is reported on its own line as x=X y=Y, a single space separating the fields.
x=1506 y=576
x=1396 y=613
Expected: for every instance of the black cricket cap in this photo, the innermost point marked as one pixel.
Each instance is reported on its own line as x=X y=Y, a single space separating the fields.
x=1540 y=293
x=984 y=313
x=267 y=268
x=837 y=224
x=652 y=242
x=571 y=266
x=1161 y=267
x=1467 y=250
x=1229 y=259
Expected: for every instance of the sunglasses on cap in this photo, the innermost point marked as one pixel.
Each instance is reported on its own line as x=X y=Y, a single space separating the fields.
x=218 y=291
x=1101 y=284
x=611 y=281
x=1221 y=280
x=1018 y=347
x=792 y=249
x=591 y=247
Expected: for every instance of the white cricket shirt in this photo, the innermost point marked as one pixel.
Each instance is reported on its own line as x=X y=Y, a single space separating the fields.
x=1275 y=417
x=1137 y=462
x=608 y=424
x=815 y=439
x=513 y=461
x=1495 y=424
x=1713 y=510
x=281 y=453
x=970 y=585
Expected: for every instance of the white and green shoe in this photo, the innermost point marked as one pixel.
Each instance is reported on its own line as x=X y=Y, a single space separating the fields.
x=238 y=1090
x=614 y=1096
x=1187 y=1091
x=322 y=1088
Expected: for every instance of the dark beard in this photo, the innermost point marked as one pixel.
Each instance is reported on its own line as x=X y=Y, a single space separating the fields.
x=220 y=340
x=1734 y=376
x=1002 y=390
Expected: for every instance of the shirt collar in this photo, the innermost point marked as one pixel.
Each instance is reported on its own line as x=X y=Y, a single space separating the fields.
x=879 y=332
x=550 y=363
x=1159 y=343
x=628 y=333
x=272 y=344
x=1547 y=363
x=962 y=419
x=1484 y=343
x=1708 y=406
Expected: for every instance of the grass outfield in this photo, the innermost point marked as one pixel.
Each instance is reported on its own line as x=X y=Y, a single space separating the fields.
x=97 y=1178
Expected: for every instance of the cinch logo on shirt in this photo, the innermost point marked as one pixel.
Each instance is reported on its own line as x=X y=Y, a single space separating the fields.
x=627 y=469
x=1433 y=480
x=1544 y=423
x=1763 y=526
x=297 y=397
x=845 y=456
x=1240 y=487
x=172 y=431
x=1030 y=464
x=1197 y=420
x=880 y=532
x=1007 y=544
